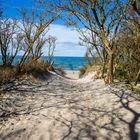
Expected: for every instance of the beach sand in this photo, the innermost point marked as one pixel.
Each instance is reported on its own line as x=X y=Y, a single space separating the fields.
x=61 y=108
x=72 y=74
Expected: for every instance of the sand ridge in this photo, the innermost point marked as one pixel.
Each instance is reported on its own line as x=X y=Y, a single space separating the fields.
x=68 y=109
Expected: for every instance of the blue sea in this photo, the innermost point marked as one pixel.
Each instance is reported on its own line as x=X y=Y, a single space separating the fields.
x=68 y=63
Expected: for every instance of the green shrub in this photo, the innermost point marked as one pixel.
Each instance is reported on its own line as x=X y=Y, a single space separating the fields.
x=120 y=73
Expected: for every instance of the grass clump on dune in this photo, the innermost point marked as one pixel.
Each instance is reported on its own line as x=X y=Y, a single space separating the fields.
x=91 y=68
x=60 y=71
x=30 y=66
x=34 y=68
x=82 y=71
x=7 y=73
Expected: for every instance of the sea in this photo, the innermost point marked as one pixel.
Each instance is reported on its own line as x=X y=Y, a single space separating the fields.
x=67 y=63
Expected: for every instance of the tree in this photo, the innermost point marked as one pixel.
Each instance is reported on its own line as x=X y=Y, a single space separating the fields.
x=128 y=48
x=91 y=41
x=10 y=41
x=103 y=18
x=136 y=6
x=95 y=50
x=34 y=28
x=51 y=46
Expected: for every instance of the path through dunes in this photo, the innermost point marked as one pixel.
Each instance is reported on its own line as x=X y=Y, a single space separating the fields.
x=64 y=109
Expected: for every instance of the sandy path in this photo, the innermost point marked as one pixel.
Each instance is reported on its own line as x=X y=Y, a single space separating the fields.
x=63 y=109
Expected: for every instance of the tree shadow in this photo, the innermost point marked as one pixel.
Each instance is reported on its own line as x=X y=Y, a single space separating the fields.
x=83 y=122
x=125 y=100
x=15 y=133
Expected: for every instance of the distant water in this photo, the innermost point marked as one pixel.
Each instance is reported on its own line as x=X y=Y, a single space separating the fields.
x=68 y=63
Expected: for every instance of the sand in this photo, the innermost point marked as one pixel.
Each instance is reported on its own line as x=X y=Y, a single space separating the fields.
x=61 y=108
x=72 y=74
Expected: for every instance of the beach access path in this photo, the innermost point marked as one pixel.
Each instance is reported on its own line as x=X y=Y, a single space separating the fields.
x=59 y=108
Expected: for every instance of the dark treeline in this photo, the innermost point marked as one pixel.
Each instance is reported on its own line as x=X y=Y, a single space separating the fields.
x=109 y=29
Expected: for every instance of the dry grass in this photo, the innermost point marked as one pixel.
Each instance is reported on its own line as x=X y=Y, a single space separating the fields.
x=94 y=68
x=6 y=74
x=60 y=71
x=31 y=66
x=31 y=69
x=82 y=71
x=35 y=70
x=40 y=66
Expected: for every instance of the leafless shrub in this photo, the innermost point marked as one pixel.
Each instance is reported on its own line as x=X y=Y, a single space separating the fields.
x=10 y=41
x=34 y=29
x=51 y=47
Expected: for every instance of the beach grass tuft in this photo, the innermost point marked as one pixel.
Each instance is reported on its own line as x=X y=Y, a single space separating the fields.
x=7 y=73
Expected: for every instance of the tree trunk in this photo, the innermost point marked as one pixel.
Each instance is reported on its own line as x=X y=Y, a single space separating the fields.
x=103 y=70
x=104 y=64
x=110 y=69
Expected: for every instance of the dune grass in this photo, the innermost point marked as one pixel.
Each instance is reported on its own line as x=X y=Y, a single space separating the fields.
x=29 y=68
x=91 y=68
x=7 y=73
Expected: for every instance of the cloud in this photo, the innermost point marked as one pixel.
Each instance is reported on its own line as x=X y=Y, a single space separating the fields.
x=70 y=43
x=67 y=43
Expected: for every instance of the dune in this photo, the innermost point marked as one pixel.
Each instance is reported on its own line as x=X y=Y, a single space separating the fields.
x=68 y=108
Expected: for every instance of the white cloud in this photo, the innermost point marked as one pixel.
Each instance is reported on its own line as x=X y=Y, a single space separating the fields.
x=67 y=41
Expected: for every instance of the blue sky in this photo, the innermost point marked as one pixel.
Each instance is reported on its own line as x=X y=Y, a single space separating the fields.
x=10 y=7
x=67 y=39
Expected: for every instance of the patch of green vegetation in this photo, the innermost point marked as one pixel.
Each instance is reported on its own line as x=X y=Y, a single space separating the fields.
x=134 y=89
x=120 y=74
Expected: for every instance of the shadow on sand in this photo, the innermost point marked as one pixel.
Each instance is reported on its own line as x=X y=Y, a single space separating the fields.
x=86 y=122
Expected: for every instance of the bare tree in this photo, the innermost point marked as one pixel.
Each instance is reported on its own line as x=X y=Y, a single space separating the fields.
x=102 y=17
x=91 y=41
x=95 y=50
x=51 y=46
x=9 y=41
x=34 y=28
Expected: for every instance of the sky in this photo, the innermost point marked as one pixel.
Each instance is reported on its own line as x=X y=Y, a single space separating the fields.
x=67 y=43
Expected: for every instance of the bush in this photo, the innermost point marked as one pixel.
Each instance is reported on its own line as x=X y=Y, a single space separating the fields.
x=120 y=74
x=37 y=69
x=126 y=72
x=6 y=74
x=31 y=66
